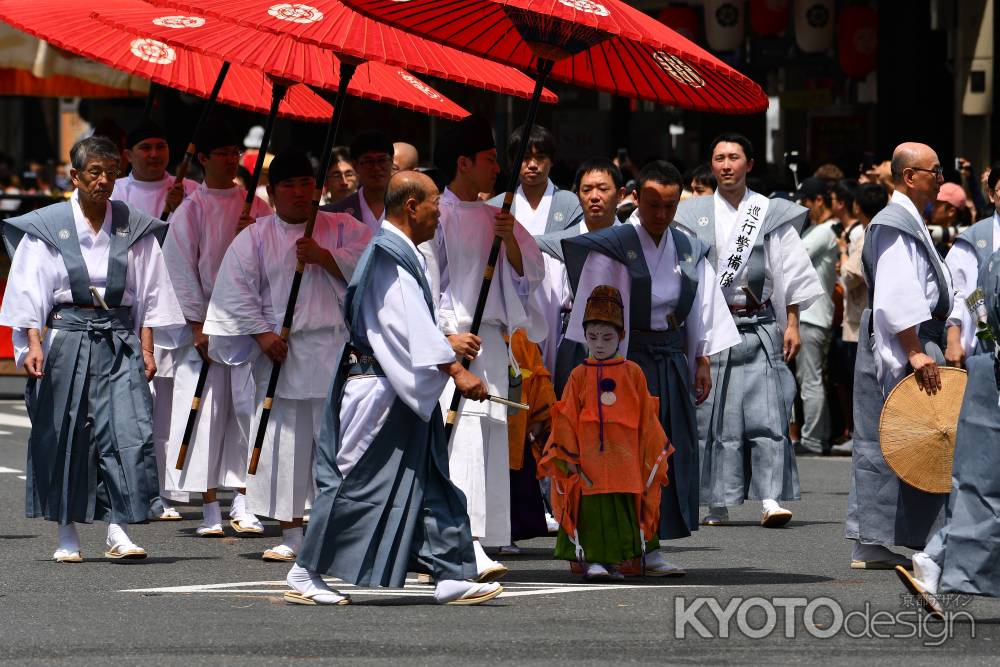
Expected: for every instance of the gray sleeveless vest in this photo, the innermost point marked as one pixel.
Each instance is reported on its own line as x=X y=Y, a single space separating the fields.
x=980 y=238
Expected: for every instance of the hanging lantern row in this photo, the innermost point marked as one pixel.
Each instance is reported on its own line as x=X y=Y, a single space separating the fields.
x=857 y=27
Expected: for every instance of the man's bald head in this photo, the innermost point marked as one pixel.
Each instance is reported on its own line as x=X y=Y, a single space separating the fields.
x=910 y=155
x=404 y=156
x=411 y=204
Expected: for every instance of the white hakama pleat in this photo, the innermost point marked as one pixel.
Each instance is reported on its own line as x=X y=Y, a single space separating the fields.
x=284 y=480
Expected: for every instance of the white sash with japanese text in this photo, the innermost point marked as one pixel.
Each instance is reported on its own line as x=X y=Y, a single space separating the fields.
x=742 y=240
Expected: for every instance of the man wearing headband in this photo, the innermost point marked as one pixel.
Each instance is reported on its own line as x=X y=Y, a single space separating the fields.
x=243 y=324
x=675 y=318
x=467 y=156
x=201 y=230
x=151 y=189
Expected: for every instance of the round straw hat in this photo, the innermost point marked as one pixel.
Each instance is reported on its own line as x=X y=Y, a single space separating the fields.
x=917 y=431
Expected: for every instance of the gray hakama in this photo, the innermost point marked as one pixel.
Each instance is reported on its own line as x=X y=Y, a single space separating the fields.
x=881 y=510
x=90 y=452
x=397 y=509
x=967 y=547
x=743 y=424
x=661 y=355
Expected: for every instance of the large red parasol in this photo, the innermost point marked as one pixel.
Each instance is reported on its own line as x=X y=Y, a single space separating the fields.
x=280 y=56
x=601 y=44
x=72 y=29
x=352 y=35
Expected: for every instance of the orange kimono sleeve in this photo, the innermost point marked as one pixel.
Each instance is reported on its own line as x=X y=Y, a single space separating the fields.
x=537 y=392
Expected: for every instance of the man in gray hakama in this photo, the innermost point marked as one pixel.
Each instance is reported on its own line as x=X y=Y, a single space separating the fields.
x=962 y=556
x=385 y=504
x=908 y=283
x=766 y=277
x=90 y=452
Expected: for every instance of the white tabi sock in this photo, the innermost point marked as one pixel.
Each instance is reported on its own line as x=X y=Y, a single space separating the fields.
x=292 y=538
x=117 y=534
x=926 y=571
x=239 y=506
x=69 y=540
x=449 y=590
x=770 y=505
x=483 y=562
x=311 y=585
x=875 y=552
x=211 y=514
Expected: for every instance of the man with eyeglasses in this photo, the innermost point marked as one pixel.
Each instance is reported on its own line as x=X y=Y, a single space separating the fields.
x=371 y=155
x=341 y=180
x=88 y=273
x=200 y=233
x=152 y=190
x=902 y=331
x=965 y=260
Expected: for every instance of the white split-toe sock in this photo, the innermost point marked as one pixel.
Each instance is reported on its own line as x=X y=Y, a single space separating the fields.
x=452 y=590
x=483 y=562
x=211 y=518
x=291 y=539
x=312 y=586
x=926 y=571
x=69 y=543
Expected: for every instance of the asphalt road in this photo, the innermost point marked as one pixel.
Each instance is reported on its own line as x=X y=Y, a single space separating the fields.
x=200 y=601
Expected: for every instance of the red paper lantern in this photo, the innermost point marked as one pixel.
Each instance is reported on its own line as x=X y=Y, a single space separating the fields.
x=682 y=19
x=857 y=40
x=769 y=18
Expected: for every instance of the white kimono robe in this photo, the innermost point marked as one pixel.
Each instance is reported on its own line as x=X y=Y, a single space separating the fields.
x=38 y=280
x=478 y=457
x=905 y=293
x=250 y=296
x=964 y=266
x=406 y=339
x=789 y=276
x=150 y=197
x=201 y=230
x=710 y=328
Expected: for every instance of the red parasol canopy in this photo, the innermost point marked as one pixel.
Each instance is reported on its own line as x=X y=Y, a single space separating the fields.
x=72 y=29
x=280 y=56
x=349 y=34
x=602 y=44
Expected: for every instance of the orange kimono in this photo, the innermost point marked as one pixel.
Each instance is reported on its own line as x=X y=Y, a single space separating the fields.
x=606 y=439
x=536 y=391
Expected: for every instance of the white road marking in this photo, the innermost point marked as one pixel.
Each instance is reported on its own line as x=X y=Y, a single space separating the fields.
x=8 y=470
x=412 y=588
x=14 y=420
x=22 y=477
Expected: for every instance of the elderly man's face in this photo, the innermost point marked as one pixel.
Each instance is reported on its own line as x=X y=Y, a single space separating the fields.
x=925 y=175
x=427 y=214
x=96 y=180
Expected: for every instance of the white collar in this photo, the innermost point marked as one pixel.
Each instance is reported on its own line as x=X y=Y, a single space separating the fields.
x=166 y=181
x=393 y=229
x=719 y=199
x=83 y=228
x=907 y=203
x=549 y=191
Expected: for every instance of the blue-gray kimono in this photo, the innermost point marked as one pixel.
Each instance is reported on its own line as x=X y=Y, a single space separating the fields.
x=90 y=452
x=564 y=210
x=967 y=547
x=396 y=510
x=661 y=356
x=881 y=510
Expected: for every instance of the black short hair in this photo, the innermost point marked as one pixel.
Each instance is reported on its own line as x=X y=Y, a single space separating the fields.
x=339 y=154
x=846 y=190
x=602 y=165
x=661 y=172
x=732 y=138
x=397 y=194
x=702 y=175
x=994 y=177
x=541 y=139
x=371 y=141
x=871 y=198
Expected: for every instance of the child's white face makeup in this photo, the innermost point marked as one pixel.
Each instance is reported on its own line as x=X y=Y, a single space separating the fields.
x=602 y=340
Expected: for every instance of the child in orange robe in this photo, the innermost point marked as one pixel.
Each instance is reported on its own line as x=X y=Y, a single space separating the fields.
x=607 y=454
